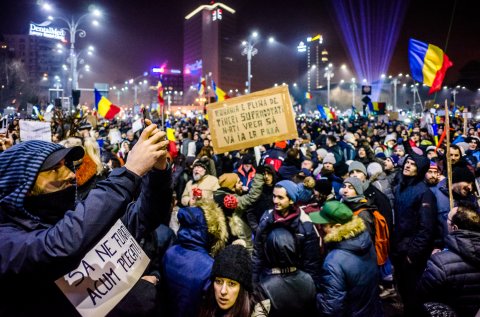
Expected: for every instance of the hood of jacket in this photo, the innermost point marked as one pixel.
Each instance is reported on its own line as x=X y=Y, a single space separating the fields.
x=351 y=236
x=466 y=243
x=19 y=167
x=280 y=248
x=203 y=226
x=422 y=163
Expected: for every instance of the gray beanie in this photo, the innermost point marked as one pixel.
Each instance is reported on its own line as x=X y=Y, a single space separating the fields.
x=356 y=183
x=374 y=169
x=357 y=166
x=330 y=158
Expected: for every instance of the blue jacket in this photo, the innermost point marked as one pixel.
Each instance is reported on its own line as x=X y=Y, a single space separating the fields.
x=350 y=276
x=33 y=254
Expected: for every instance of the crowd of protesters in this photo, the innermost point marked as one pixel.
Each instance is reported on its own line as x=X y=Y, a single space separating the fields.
x=350 y=219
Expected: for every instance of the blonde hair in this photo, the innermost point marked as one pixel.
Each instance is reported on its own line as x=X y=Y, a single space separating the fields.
x=92 y=149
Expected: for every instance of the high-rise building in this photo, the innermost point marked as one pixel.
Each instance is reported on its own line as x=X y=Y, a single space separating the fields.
x=211 y=49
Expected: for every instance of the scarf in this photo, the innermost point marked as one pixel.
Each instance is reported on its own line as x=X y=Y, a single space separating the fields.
x=50 y=208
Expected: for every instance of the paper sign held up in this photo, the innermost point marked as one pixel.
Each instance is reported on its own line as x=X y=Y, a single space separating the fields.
x=106 y=273
x=35 y=130
x=259 y=118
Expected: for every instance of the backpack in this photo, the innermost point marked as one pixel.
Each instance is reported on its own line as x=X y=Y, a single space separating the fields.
x=382 y=236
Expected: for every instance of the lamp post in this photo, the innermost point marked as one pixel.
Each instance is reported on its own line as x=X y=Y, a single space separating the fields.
x=249 y=50
x=353 y=86
x=328 y=74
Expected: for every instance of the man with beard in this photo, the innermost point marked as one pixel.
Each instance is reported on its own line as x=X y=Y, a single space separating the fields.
x=433 y=177
x=201 y=180
x=462 y=189
x=45 y=233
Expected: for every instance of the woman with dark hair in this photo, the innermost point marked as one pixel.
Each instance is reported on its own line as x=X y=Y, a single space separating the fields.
x=231 y=292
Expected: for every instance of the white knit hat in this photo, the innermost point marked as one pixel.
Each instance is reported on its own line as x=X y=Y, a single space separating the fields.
x=329 y=158
x=374 y=169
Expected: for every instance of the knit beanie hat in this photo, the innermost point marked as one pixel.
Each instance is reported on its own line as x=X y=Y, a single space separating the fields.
x=228 y=180
x=357 y=166
x=356 y=183
x=322 y=152
x=349 y=137
x=462 y=174
x=329 y=158
x=374 y=168
x=290 y=187
x=400 y=147
x=394 y=159
x=200 y=163
x=234 y=262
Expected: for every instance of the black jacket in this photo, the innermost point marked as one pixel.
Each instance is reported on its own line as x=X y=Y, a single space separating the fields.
x=452 y=276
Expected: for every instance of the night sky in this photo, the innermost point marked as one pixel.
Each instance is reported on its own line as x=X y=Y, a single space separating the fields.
x=136 y=35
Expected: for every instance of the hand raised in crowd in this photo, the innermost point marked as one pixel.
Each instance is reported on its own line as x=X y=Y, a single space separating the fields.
x=149 y=152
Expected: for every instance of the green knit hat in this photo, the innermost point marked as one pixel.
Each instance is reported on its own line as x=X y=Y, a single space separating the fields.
x=332 y=212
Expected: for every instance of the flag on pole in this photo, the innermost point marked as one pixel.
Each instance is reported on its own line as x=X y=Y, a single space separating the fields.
x=428 y=64
x=104 y=107
x=378 y=107
x=202 y=85
x=161 y=101
x=220 y=95
x=171 y=134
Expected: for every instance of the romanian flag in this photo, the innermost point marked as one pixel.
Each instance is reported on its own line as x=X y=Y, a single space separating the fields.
x=308 y=95
x=202 y=85
x=325 y=112
x=220 y=95
x=171 y=134
x=428 y=64
x=161 y=101
x=104 y=107
x=378 y=107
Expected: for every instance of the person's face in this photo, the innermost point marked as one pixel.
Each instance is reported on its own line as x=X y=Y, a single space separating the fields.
x=58 y=178
x=268 y=178
x=431 y=154
x=388 y=165
x=471 y=132
x=416 y=137
x=281 y=201
x=462 y=188
x=359 y=175
x=362 y=153
x=226 y=292
x=328 y=166
x=391 y=144
x=238 y=186
x=198 y=172
x=348 y=190
x=399 y=152
x=431 y=177
x=472 y=145
x=130 y=136
x=247 y=167
x=376 y=144
x=307 y=164
x=451 y=227
x=454 y=155
x=410 y=168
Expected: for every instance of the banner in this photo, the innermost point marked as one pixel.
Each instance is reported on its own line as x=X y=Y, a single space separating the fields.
x=35 y=130
x=259 y=118
x=106 y=273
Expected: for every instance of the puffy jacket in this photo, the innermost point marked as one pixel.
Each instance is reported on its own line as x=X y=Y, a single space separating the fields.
x=33 y=254
x=350 y=276
x=452 y=276
x=307 y=241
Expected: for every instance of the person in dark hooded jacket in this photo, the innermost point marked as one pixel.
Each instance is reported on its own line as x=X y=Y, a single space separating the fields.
x=291 y=291
x=44 y=235
x=452 y=276
x=291 y=165
x=349 y=276
x=414 y=231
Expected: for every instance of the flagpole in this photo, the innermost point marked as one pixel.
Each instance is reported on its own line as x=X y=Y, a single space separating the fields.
x=449 y=162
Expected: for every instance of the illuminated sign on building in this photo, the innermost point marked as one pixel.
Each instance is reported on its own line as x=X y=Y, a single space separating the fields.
x=302 y=47
x=216 y=14
x=43 y=30
x=189 y=68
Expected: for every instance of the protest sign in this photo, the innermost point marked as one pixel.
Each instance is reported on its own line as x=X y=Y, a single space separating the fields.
x=106 y=273
x=35 y=130
x=137 y=125
x=3 y=125
x=259 y=118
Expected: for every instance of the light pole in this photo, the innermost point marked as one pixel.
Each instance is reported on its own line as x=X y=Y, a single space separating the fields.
x=73 y=27
x=328 y=74
x=249 y=50
x=353 y=86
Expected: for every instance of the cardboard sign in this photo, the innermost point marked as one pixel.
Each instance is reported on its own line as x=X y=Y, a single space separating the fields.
x=106 y=273
x=35 y=130
x=259 y=118
x=137 y=125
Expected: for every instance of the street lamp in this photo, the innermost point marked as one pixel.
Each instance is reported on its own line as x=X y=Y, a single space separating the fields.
x=328 y=74
x=73 y=27
x=249 y=50
x=353 y=86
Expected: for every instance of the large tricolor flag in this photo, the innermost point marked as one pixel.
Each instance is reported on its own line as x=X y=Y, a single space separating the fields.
x=104 y=107
x=428 y=64
x=161 y=101
x=202 y=86
x=220 y=95
x=377 y=107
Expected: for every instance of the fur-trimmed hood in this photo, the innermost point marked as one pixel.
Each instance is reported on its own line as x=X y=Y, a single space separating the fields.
x=346 y=231
x=203 y=226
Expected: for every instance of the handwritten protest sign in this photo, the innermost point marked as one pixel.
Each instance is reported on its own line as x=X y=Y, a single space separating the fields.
x=106 y=273
x=259 y=118
x=137 y=125
x=35 y=130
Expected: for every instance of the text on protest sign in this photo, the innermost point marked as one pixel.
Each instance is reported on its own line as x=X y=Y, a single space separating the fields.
x=106 y=273
x=259 y=118
x=35 y=130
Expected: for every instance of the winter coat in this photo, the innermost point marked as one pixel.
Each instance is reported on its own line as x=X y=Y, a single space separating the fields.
x=381 y=201
x=33 y=254
x=245 y=177
x=350 y=276
x=383 y=185
x=187 y=265
x=208 y=184
x=307 y=242
x=290 y=290
x=415 y=216
x=452 y=276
